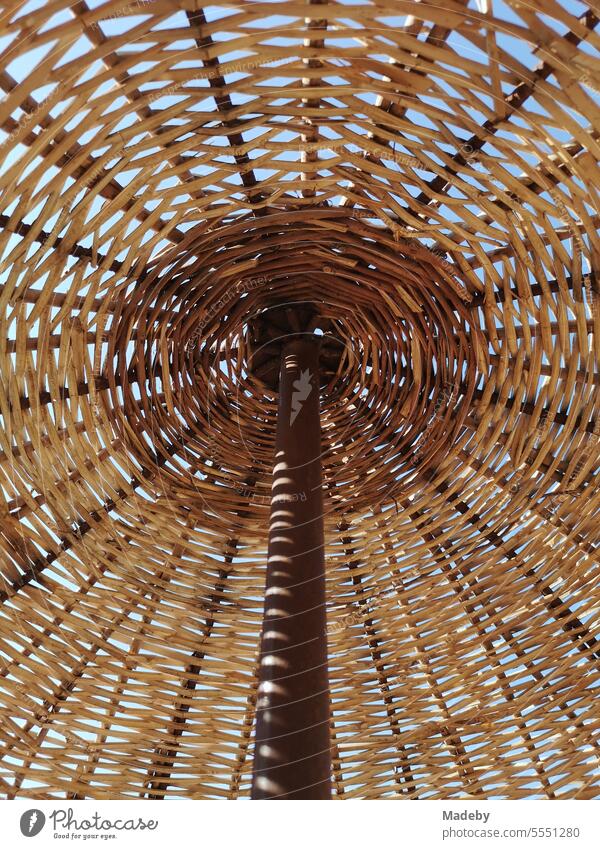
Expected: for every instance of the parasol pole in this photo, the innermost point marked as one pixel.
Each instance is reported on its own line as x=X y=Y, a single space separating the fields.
x=292 y=756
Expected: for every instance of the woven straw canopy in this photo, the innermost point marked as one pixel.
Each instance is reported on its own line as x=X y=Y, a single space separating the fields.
x=420 y=181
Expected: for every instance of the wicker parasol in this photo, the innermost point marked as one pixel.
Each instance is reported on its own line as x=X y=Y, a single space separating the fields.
x=384 y=216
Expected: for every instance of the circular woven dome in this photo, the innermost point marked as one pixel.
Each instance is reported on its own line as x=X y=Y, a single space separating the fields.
x=418 y=183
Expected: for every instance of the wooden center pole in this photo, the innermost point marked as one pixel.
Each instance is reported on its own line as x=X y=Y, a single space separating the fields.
x=293 y=758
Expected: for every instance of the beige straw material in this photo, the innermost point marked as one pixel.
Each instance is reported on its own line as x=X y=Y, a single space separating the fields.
x=426 y=175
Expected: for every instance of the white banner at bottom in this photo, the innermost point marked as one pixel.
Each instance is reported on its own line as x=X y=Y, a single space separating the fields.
x=351 y=825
